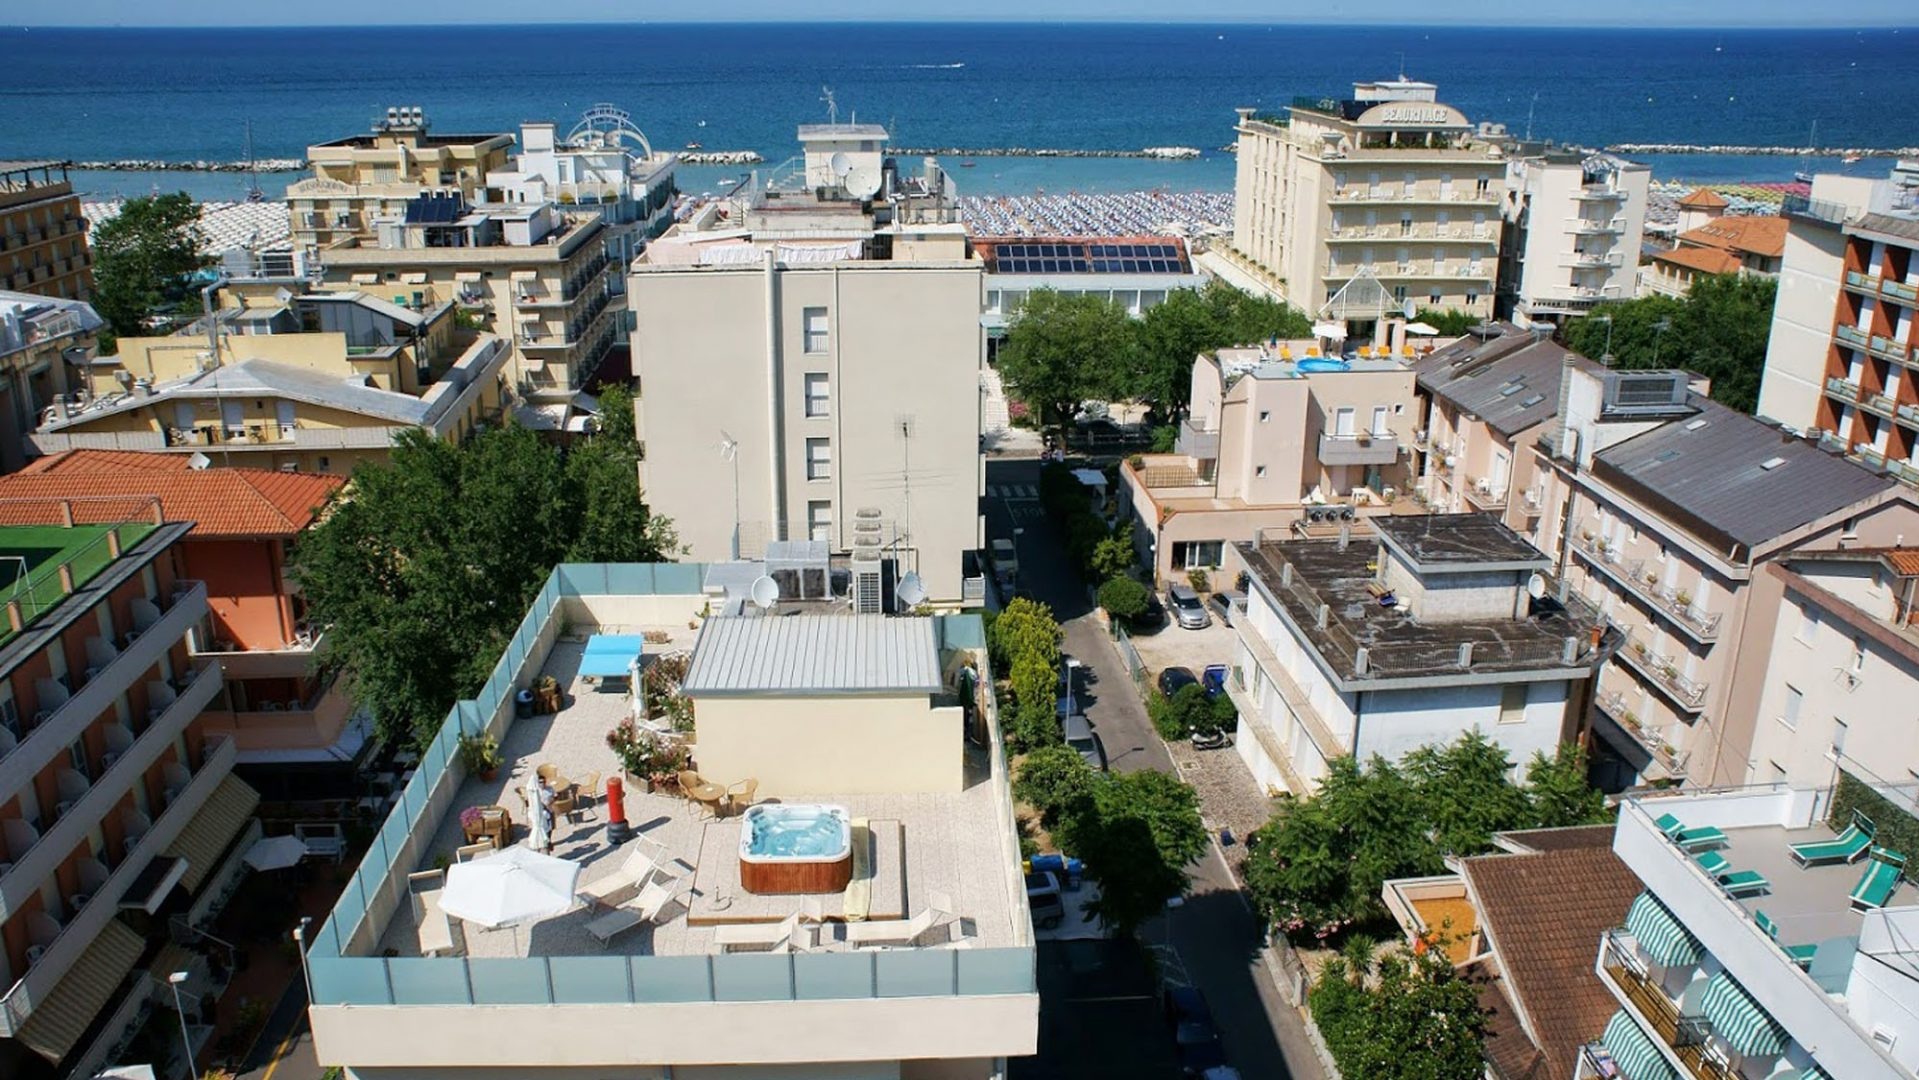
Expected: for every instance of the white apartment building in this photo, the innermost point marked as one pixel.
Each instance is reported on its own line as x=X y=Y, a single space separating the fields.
x=1574 y=225
x=1379 y=644
x=1389 y=184
x=888 y=724
x=1740 y=960
x=810 y=368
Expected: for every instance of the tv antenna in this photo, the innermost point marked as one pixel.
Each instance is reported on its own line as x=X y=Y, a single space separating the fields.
x=730 y=452
x=832 y=107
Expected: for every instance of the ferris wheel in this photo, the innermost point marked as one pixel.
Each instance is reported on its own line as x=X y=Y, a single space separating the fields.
x=608 y=125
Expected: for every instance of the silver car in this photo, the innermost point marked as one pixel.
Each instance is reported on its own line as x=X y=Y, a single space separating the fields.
x=1186 y=608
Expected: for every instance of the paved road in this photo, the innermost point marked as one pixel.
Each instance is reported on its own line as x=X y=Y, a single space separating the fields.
x=1214 y=933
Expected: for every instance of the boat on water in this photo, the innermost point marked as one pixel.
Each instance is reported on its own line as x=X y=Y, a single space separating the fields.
x=1852 y=159
x=968 y=164
x=1803 y=177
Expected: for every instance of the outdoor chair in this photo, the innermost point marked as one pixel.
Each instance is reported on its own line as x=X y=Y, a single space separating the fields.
x=1800 y=955
x=901 y=931
x=643 y=908
x=1735 y=882
x=547 y=772
x=1880 y=880
x=740 y=796
x=1847 y=847
x=771 y=937
x=1690 y=839
x=436 y=931
x=633 y=874
x=700 y=790
x=586 y=793
x=470 y=852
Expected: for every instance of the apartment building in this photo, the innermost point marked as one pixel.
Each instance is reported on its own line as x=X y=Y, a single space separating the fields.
x=1485 y=401
x=1758 y=948
x=1744 y=244
x=276 y=705
x=119 y=813
x=1388 y=184
x=314 y=382
x=1135 y=272
x=43 y=234
x=359 y=180
x=40 y=339
x=810 y=358
x=1277 y=438
x=1431 y=627
x=730 y=972
x=604 y=165
x=1661 y=507
x=1574 y=224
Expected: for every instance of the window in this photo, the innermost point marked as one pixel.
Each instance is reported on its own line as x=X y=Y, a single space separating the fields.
x=815 y=320
x=1265 y=415
x=1343 y=423
x=1851 y=529
x=1259 y=470
x=1472 y=298
x=1197 y=554
x=819 y=459
x=1858 y=656
x=1381 y=428
x=819 y=521
x=1838 y=736
x=1512 y=704
x=818 y=391
x=1399 y=293
x=1794 y=701
x=1808 y=624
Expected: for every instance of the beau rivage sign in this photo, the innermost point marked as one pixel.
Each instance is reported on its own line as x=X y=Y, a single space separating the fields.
x=1413 y=114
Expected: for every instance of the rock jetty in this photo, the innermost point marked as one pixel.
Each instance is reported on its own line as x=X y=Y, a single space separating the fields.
x=1169 y=153
x=1764 y=151
x=265 y=165
x=719 y=157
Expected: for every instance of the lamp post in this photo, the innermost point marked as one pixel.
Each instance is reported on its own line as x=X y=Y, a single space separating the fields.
x=186 y=1041
x=1606 y=356
x=300 y=942
x=1658 y=331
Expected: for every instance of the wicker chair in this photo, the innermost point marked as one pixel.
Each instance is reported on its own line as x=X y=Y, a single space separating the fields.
x=739 y=796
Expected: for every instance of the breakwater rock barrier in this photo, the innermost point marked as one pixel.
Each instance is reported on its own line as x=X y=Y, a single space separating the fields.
x=1764 y=151
x=265 y=165
x=1168 y=153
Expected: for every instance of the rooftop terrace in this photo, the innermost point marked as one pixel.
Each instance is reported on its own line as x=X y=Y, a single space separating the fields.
x=32 y=558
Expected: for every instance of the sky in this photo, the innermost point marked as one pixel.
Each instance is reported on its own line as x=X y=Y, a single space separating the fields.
x=1533 y=13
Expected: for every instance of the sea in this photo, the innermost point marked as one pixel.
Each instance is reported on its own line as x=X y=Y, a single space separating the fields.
x=110 y=94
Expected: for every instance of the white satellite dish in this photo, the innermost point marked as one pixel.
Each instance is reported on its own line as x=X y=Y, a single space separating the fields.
x=199 y=461
x=1536 y=586
x=911 y=593
x=1409 y=309
x=840 y=164
x=863 y=182
x=765 y=591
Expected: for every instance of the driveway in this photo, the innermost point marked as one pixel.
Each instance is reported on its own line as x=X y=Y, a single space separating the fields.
x=1214 y=932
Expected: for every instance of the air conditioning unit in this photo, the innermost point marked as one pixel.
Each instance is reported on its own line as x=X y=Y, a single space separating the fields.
x=1348 y=513
x=1483 y=486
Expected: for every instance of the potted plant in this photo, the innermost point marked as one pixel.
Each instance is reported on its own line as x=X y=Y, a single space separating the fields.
x=1685 y=599
x=643 y=755
x=481 y=755
x=470 y=821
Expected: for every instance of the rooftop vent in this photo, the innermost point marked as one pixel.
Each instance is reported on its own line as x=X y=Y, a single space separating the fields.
x=1630 y=392
x=1772 y=463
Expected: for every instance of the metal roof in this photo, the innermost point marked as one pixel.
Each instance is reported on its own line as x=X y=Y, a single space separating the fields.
x=1510 y=381
x=1732 y=480
x=814 y=654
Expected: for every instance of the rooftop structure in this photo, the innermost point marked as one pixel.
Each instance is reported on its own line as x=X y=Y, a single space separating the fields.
x=604 y=165
x=1136 y=272
x=43 y=234
x=1746 y=243
x=45 y=347
x=832 y=655
x=957 y=988
x=1574 y=225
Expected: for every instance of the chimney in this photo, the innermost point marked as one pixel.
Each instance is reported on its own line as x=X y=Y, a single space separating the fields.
x=1319 y=619
x=1465 y=654
x=1362 y=660
x=1570 y=652
x=1565 y=402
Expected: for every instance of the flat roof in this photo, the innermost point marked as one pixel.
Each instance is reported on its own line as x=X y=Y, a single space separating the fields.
x=1451 y=543
x=1399 y=646
x=815 y=654
x=842 y=131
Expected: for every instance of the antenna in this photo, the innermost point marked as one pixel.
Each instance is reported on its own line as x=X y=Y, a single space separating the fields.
x=832 y=107
x=841 y=164
x=1536 y=586
x=862 y=182
x=730 y=452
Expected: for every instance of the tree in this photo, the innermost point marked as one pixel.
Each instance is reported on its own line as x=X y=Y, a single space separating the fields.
x=1174 y=332
x=1450 y=322
x=1416 y=1020
x=1064 y=348
x=1112 y=555
x=1023 y=628
x=1558 y=794
x=1467 y=792
x=1123 y=598
x=1035 y=706
x=616 y=415
x=1719 y=330
x=614 y=522
x=1137 y=833
x=1057 y=782
x=142 y=258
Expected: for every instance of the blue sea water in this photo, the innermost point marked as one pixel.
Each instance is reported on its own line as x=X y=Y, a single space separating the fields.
x=185 y=94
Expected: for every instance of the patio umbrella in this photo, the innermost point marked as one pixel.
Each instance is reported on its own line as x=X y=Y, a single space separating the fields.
x=514 y=886
x=1421 y=328
x=275 y=852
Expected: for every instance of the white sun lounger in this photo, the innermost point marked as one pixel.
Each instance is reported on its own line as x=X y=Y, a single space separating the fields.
x=774 y=937
x=627 y=879
x=644 y=908
x=901 y=931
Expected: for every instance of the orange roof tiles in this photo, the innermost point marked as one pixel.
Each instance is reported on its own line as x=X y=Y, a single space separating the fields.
x=1702 y=260
x=1704 y=198
x=1905 y=561
x=1754 y=233
x=219 y=502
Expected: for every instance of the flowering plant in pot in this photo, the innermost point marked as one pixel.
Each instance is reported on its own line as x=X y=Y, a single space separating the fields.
x=643 y=754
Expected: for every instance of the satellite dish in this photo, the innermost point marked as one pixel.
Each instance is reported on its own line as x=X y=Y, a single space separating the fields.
x=199 y=461
x=863 y=182
x=910 y=591
x=1536 y=586
x=1409 y=309
x=765 y=591
x=840 y=164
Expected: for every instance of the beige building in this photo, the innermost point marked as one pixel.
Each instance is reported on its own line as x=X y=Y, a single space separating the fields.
x=1388 y=184
x=361 y=179
x=1574 y=223
x=809 y=368
x=43 y=235
x=1662 y=508
x=1275 y=438
x=1742 y=244
x=45 y=348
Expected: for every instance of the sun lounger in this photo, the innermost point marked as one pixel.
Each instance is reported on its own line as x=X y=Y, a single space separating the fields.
x=1847 y=847
x=1744 y=883
x=1799 y=954
x=773 y=937
x=900 y=931
x=1705 y=836
x=1880 y=880
x=1712 y=863
x=627 y=879
x=644 y=908
x=436 y=931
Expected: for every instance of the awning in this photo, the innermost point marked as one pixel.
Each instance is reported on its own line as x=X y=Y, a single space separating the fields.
x=414 y=277
x=1633 y=1050
x=59 y=1020
x=213 y=829
x=1815 y=1073
x=1738 y=1019
x=1666 y=941
x=366 y=279
x=466 y=275
x=611 y=656
x=522 y=275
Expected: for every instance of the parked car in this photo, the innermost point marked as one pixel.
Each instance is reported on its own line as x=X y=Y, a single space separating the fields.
x=1043 y=896
x=1184 y=603
x=1195 y=1038
x=1079 y=735
x=1223 y=605
x=1214 y=679
x=1173 y=679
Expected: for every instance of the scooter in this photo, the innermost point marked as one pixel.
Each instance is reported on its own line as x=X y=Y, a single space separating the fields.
x=1218 y=740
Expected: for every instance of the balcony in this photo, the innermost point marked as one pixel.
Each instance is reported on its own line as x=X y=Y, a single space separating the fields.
x=1863 y=284
x=1818 y=211
x=1852 y=335
x=1592 y=260
x=1589 y=227
x=1197 y=442
x=25 y=995
x=293 y=662
x=30 y=869
x=1360 y=449
x=1900 y=291
x=1673 y=605
x=54 y=729
x=1684 y=1035
x=1484 y=494
x=1668 y=757
x=1253 y=720
x=1291 y=694
x=1663 y=673
x=1598 y=193
x=1886 y=348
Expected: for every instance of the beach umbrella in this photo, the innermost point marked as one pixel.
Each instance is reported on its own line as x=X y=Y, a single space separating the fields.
x=1421 y=328
x=275 y=852
x=506 y=889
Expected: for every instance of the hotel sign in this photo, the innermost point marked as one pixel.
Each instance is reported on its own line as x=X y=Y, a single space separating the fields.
x=1402 y=114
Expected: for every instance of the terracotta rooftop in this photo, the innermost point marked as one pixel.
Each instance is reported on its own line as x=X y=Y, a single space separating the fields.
x=1705 y=199
x=1705 y=260
x=219 y=502
x=1755 y=233
x=1543 y=914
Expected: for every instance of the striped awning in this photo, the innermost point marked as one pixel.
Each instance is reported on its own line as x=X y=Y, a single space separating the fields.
x=57 y=1022
x=212 y=829
x=1738 y=1019
x=1815 y=1073
x=1666 y=941
x=1633 y=1050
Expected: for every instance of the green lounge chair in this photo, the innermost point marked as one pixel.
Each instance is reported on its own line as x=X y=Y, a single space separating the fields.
x=1744 y=883
x=1799 y=954
x=1880 y=880
x=1689 y=839
x=1847 y=847
x=1713 y=863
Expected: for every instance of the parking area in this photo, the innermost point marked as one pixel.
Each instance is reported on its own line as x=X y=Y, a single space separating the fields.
x=1170 y=646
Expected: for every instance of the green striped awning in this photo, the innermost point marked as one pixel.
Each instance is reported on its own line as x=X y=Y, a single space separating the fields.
x=1815 y=1073
x=1738 y=1019
x=1666 y=941
x=1633 y=1050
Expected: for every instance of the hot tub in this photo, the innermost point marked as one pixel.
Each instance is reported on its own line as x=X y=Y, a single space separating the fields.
x=795 y=848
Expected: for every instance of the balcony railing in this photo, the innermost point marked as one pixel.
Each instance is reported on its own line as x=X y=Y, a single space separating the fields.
x=1359 y=449
x=1852 y=335
x=1291 y=693
x=1483 y=493
x=1263 y=733
x=1613 y=704
x=1886 y=347
x=1196 y=441
x=1818 y=210
x=1684 y=1034
x=1670 y=603
x=1663 y=672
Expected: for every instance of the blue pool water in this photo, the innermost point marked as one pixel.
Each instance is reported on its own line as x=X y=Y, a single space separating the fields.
x=795 y=832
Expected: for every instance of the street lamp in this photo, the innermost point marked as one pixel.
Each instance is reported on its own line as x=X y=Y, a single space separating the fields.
x=1606 y=357
x=186 y=1041
x=1658 y=330
x=300 y=941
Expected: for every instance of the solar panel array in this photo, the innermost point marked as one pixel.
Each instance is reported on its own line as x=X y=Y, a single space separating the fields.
x=434 y=208
x=1082 y=258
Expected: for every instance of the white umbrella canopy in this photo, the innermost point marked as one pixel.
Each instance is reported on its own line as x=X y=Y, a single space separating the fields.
x=1421 y=328
x=275 y=852
x=514 y=886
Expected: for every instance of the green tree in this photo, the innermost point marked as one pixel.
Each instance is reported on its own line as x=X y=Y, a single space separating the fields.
x=1450 y=322
x=1467 y=792
x=1249 y=318
x=616 y=415
x=142 y=258
x=1557 y=791
x=1137 y=833
x=614 y=522
x=1034 y=683
x=1064 y=348
x=1174 y=332
x=1112 y=555
x=1057 y=782
x=1415 y=1019
x=1719 y=330
x=1123 y=598
x=1025 y=628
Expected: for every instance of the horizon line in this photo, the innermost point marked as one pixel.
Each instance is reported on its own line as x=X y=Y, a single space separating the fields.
x=1827 y=24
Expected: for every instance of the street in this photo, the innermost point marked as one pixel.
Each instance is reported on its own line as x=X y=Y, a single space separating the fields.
x=1214 y=933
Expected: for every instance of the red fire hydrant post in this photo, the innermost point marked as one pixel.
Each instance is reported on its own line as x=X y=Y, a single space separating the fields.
x=617 y=830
